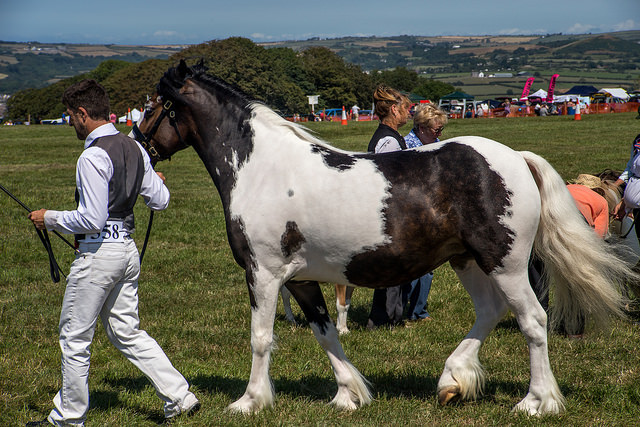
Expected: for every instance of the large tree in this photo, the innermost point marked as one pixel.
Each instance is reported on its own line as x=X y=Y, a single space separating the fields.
x=399 y=78
x=264 y=74
x=432 y=89
x=337 y=82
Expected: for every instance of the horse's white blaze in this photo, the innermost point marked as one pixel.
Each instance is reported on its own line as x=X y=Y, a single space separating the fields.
x=307 y=186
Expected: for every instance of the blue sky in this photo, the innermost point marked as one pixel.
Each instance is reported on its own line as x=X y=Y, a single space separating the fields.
x=197 y=21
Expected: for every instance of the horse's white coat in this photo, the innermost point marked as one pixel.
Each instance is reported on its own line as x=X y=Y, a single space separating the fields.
x=324 y=198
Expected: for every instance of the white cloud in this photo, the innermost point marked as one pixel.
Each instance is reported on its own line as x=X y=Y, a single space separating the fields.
x=260 y=36
x=579 y=28
x=165 y=33
x=516 y=31
x=627 y=25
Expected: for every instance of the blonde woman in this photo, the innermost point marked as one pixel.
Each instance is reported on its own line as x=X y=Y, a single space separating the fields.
x=428 y=123
x=392 y=109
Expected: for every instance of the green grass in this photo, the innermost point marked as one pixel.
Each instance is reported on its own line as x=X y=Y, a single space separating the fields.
x=194 y=301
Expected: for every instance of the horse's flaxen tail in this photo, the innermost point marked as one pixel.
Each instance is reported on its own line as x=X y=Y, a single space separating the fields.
x=586 y=273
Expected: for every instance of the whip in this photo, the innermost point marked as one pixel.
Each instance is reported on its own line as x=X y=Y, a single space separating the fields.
x=54 y=269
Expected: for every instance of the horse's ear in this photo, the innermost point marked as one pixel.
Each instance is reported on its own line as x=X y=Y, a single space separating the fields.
x=183 y=69
x=200 y=67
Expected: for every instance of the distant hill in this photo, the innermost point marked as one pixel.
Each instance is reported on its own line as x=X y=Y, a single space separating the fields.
x=601 y=45
x=36 y=65
x=450 y=54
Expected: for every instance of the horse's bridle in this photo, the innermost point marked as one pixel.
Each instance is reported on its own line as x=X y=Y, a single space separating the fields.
x=145 y=139
x=155 y=157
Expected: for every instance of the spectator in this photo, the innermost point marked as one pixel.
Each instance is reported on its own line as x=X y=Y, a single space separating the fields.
x=355 y=110
x=428 y=124
x=392 y=109
x=631 y=197
x=543 y=111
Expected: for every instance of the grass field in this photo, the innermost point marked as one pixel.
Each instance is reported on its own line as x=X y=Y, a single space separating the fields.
x=194 y=301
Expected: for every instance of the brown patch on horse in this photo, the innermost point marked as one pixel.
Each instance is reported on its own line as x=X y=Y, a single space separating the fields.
x=292 y=239
x=434 y=213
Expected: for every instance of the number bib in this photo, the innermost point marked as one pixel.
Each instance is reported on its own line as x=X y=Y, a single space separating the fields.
x=113 y=231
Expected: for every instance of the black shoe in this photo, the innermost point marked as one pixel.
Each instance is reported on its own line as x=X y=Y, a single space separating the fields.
x=44 y=422
x=191 y=411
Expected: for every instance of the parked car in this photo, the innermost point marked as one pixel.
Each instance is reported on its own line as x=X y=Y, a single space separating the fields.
x=364 y=115
x=57 y=121
x=331 y=114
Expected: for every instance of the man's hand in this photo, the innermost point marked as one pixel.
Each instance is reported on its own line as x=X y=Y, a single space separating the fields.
x=37 y=217
x=161 y=175
x=619 y=212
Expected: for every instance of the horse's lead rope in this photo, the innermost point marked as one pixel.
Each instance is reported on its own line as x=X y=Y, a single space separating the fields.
x=629 y=231
x=146 y=237
x=54 y=268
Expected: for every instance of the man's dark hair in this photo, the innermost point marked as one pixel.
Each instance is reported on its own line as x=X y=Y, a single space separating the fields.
x=90 y=95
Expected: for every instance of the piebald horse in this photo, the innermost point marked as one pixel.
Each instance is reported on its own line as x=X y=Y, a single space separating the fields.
x=470 y=201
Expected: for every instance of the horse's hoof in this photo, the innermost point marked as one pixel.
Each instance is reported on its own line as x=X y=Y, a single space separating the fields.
x=448 y=395
x=244 y=405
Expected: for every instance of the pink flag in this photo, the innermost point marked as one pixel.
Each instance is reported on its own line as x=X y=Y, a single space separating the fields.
x=552 y=86
x=527 y=88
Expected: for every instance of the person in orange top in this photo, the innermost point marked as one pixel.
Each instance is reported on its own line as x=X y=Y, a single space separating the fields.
x=592 y=206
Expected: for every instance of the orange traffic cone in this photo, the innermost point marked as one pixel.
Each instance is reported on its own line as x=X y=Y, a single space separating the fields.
x=577 y=116
x=344 y=116
x=129 y=118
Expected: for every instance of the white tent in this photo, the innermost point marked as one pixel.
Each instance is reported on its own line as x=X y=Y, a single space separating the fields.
x=135 y=116
x=540 y=93
x=583 y=100
x=565 y=98
x=616 y=93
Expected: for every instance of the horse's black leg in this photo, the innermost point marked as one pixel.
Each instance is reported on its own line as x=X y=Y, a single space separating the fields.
x=352 y=386
x=286 y=304
x=311 y=300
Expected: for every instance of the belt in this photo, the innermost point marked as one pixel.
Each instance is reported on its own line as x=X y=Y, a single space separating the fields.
x=113 y=231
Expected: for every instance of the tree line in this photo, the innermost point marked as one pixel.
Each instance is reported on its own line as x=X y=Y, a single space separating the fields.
x=280 y=77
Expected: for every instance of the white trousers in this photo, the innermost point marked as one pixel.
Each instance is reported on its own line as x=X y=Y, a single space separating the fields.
x=103 y=281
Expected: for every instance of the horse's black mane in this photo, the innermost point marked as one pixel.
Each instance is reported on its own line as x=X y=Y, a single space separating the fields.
x=176 y=77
